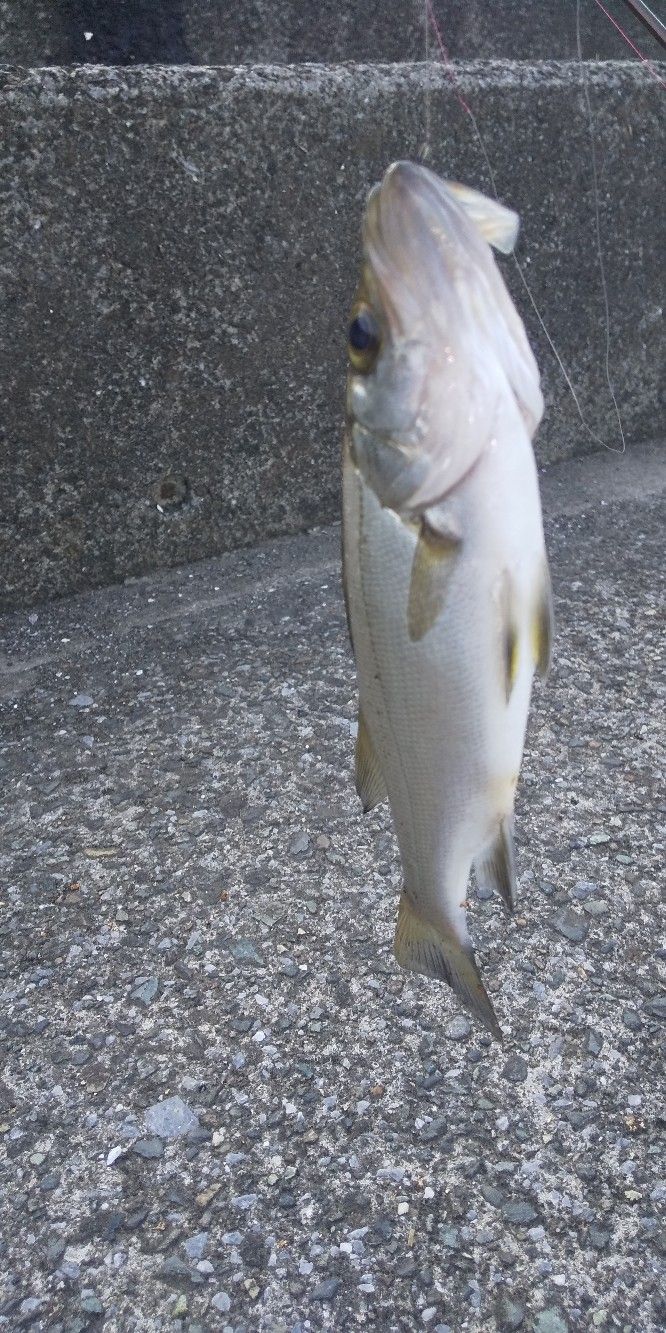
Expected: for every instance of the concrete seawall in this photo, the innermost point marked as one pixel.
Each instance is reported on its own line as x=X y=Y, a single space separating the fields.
x=180 y=247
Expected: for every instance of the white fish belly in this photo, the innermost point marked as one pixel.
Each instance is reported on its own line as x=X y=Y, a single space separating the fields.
x=448 y=742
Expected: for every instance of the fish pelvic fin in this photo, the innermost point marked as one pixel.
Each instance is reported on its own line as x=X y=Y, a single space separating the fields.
x=432 y=566
x=370 y=785
x=421 y=947
x=495 y=868
x=543 y=625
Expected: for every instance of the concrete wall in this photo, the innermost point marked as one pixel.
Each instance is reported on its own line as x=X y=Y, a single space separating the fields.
x=179 y=252
x=39 y=32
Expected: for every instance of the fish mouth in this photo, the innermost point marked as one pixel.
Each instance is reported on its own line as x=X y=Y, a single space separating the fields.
x=410 y=233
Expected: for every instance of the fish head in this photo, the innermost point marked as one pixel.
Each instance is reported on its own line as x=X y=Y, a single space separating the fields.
x=426 y=361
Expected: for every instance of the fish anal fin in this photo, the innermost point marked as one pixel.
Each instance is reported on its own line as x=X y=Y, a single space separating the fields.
x=495 y=868
x=421 y=947
x=542 y=625
x=432 y=566
x=370 y=785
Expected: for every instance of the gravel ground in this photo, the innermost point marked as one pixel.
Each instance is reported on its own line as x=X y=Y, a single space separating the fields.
x=222 y=1104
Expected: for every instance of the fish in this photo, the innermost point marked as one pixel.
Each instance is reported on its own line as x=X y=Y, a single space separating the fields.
x=445 y=573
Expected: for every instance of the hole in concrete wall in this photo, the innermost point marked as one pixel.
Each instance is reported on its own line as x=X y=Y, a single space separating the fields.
x=172 y=493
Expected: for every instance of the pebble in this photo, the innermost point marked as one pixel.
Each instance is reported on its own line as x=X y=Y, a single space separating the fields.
x=299 y=844
x=195 y=1245
x=521 y=1214
x=148 y=1148
x=434 y=1130
x=550 y=1321
x=515 y=1069
x=171 y=1118
x=221 y=1302
x=146 y=992
x=326 y=1291
x=571 y=925
x=246 y=953
x=657 y=1007
x=510 y=1315
x=593 y=1042
x=91 y=1305
x=458 y=1029
x=81 y=701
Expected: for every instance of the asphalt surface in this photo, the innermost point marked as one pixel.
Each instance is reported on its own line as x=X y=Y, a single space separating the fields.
x=193 y=908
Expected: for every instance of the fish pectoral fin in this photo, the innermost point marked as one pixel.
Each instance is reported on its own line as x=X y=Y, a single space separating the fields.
x=432 y=566
x=370 y=784
x=495 y=868
x=542 y=625
x=421 y=947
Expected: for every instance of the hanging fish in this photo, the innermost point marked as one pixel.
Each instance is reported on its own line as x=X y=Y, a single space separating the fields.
x=444 y=567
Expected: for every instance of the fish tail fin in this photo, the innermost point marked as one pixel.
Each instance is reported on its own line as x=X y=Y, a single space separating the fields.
x=495 y=868
x=422 y=947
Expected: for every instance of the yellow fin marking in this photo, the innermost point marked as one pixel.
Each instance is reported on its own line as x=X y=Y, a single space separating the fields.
x=542 y=626
x=431 y=570
x=421 y=947
x=370 y=785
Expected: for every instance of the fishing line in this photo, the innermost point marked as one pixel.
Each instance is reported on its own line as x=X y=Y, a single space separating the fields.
x=597 y=226
x=625 y=36
x=450 y=70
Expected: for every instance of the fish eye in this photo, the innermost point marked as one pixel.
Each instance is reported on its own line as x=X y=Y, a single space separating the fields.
x=363 y=339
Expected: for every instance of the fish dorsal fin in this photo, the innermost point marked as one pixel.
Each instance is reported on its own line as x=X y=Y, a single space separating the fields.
x=370 y=785
x=497 y=224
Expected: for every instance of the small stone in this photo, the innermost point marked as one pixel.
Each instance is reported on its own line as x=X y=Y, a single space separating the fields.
x=174 y=1269
x=288 y=968
x=222 y=1302
x=571 y=925
x=595 y=907
x=171 y=1118
x=115 y=1153
x=81 y=701
x=593 y=1042
x=599 y=1239
x=515 y=1069
x=510 y=1315
x=657 y=1007
x=148 y=1148
x=194 y=1247
x=434 y=1130
x=145 y=993
x=584 y=889
x=29 y=1305
x=632 y=1020
x=326 y=1291
x=299 y=844
x=180 y=1307
x=519 y=1213
x=92 y=1305
x=550 y=1321
x=246 y=953
x=50 y=1182
x=458 y=1029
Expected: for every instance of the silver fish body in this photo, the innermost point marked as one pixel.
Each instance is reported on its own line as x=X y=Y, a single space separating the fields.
x=446 y=578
